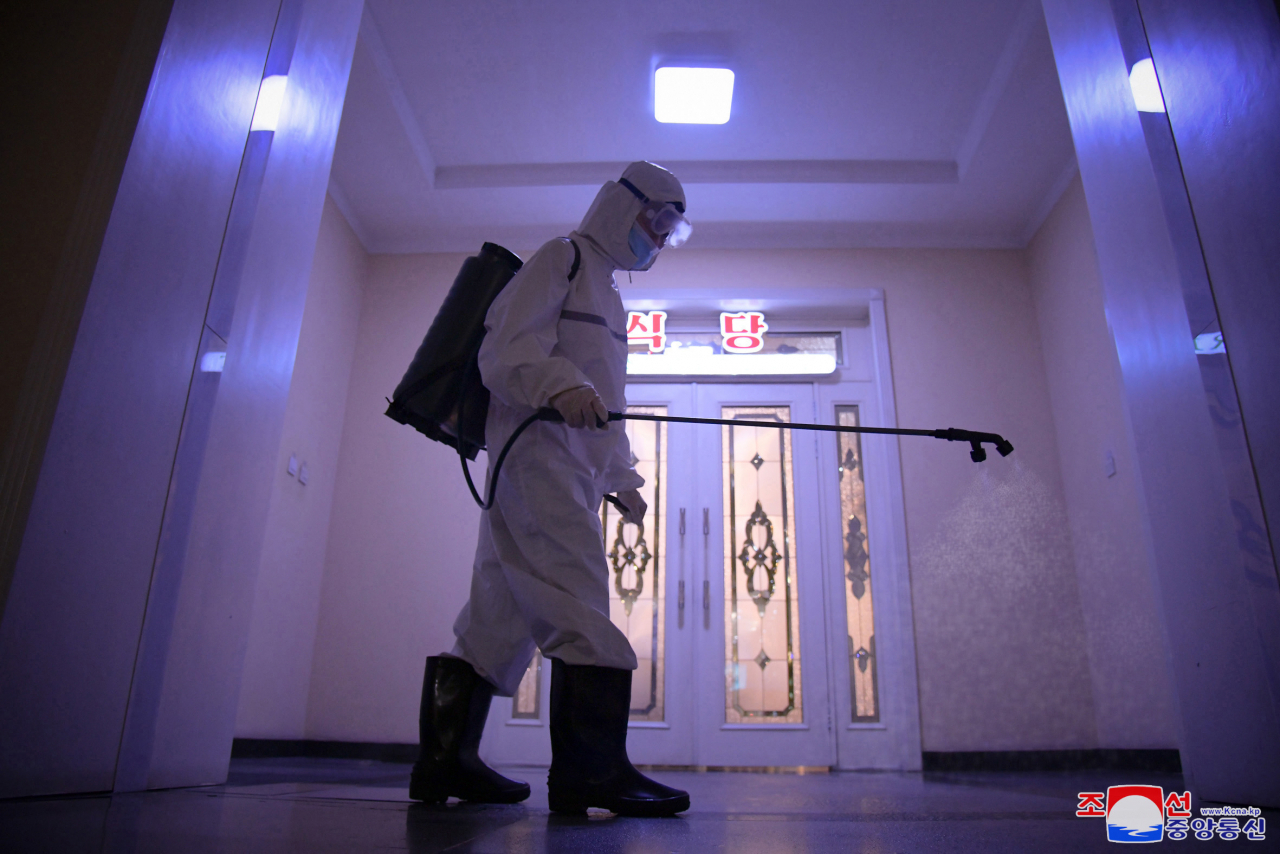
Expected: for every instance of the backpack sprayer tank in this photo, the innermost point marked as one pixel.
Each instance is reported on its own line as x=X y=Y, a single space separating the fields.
x=441 y=395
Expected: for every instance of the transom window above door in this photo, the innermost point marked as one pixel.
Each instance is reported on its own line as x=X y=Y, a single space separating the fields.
x=706 y=354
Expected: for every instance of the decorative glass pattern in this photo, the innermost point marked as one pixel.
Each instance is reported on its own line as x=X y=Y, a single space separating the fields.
x=864 y=699
x=527 y=702
x=762 y=638
x=637 y=559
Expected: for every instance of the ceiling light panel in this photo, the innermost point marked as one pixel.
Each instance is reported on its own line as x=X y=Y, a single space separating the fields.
x=697 y=96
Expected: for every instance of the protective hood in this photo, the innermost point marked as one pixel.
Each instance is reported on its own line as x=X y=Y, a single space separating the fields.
x=609 y=219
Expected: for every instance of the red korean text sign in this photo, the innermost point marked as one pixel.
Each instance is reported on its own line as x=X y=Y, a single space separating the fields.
x=743 y=331
x=647 y=327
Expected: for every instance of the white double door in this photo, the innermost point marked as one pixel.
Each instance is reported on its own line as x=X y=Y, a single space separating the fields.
x=744 y=649
x=723 y=591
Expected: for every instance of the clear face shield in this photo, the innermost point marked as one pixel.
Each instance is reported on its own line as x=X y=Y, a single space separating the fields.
x=665 y=221
x=659 y=224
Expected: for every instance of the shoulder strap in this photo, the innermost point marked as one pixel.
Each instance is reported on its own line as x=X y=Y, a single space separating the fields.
x=577 y=258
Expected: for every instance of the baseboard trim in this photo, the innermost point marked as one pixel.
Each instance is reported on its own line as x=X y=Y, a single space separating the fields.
x=281 y=748
x=1165 y=761
x=1161 y=761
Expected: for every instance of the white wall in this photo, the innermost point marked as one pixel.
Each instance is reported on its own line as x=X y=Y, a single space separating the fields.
x=282 y=634
x=403 y=527
x=997 y=616
x=998 y=624
x=1133 y=698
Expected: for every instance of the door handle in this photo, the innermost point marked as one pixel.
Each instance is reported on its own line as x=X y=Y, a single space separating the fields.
x=680 y=587
x=706 y=567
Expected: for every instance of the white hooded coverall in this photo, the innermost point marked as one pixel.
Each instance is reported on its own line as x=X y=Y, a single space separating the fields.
x=540 y=574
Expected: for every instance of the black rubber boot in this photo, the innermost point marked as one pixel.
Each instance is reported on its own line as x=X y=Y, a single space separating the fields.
x=455 y=704
x=589 y=764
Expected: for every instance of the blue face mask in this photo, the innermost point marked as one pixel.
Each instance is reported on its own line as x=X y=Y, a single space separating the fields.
x=643 y=247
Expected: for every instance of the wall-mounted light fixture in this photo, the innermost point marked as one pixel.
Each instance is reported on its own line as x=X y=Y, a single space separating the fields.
x=1146 y=87
x=698 y=96
x=1209 y=344
x=213 y=362
x=266 y=114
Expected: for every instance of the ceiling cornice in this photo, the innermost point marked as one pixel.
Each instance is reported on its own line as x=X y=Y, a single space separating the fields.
x=704 y=172
x=1050 y=200
x=343 y=204
x=725 y=235
x=372 y=38
x=1028 y=16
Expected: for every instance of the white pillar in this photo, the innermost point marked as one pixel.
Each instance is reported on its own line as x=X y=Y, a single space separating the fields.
x=1230 y=726
x=106 y=617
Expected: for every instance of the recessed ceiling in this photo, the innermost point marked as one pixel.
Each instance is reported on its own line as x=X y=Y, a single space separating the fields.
x=914 y=123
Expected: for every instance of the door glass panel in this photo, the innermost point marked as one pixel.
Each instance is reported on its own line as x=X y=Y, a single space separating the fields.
x=527 y=701
x=857 y=572
x=762 y=640
x=637 y=559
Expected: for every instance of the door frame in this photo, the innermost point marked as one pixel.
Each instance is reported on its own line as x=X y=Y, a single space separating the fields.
x=866 y=380
x=892 y=743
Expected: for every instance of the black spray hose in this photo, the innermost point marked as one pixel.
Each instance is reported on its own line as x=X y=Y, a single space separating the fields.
x=952 y=434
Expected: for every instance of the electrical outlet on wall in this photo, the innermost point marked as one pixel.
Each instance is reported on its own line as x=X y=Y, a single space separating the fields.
x=1109 y=464
x=293 y=465
x=304 y=474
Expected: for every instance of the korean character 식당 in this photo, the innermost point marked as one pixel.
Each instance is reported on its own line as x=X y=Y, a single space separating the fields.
x=648 y=328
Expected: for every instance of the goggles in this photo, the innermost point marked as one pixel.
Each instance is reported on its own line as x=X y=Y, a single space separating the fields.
x=664 y=218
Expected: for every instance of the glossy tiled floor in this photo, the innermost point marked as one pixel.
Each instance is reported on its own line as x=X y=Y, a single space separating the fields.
x=312 y=805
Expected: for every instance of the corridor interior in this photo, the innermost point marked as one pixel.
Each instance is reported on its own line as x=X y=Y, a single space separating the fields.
x=234 y=563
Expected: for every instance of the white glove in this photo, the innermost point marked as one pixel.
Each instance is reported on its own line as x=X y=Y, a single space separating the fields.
x=635 y=505
x=581 y=407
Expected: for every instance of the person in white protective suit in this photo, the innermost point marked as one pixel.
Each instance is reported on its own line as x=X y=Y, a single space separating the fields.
x=555 y=336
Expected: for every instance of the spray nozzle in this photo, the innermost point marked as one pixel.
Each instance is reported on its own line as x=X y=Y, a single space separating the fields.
x=977 y=453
